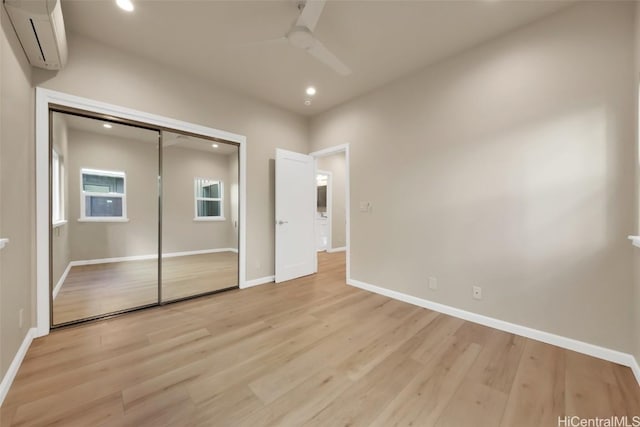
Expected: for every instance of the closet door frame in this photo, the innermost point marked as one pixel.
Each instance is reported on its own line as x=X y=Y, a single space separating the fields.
x=47 y=101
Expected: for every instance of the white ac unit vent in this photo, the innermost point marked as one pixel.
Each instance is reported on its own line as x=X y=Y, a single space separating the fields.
x=40 y=29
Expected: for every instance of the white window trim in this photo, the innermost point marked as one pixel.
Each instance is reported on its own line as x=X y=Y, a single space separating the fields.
x=84 y=194
x=196 y=199
x=58 y=217
x=209 y=218
x=103 y=219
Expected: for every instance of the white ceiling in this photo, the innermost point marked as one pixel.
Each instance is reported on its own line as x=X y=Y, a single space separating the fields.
x=379 y=40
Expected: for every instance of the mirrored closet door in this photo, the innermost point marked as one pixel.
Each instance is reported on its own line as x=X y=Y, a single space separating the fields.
x=199 y=216
x=140 y=216
x=104 y=204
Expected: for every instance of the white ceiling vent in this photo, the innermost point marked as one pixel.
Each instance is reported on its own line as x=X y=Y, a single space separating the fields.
x=40 y=28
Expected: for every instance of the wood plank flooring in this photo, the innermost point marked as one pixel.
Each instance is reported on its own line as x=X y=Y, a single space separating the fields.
x=92 y=290
x=309 y=352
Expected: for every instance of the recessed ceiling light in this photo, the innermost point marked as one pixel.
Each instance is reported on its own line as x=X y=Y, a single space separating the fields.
x=125 y=5
x=214 y=145
x=107 y=125
x=311 y=91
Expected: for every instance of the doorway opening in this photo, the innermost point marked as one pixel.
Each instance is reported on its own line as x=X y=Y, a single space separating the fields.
x=332 y=210
x=299 y=208
x=323 y=210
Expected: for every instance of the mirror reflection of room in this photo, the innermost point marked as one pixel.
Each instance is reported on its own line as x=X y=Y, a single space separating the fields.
x=104 y=200
x=105 y=215
x=200 y=216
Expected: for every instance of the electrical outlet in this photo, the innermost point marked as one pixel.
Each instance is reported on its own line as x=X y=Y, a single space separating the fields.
x=21 y=317
x=433 y=283
x=477 y=292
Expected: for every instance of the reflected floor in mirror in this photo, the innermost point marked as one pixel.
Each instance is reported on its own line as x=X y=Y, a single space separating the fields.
x=92 y=290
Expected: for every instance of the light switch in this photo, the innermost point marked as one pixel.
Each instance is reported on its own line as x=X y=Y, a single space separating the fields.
x=365 y=207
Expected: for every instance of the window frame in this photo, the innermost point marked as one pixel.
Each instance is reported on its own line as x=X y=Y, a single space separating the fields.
x=197 y=198
x=84 y=194
x=58 y=211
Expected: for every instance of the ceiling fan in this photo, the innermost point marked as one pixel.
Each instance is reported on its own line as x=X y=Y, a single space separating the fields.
x=301 y=36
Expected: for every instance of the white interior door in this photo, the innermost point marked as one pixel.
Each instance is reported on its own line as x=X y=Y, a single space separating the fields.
x=295 y=215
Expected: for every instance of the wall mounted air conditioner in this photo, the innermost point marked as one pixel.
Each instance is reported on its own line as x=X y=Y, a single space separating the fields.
x=40 y=28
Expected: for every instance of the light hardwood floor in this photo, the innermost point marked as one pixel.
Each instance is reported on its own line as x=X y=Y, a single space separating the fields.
x=97 y=289
x=310 y=352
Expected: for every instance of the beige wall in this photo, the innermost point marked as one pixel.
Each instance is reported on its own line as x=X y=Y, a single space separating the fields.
x=139 y=160
x=510 y=167
x=61 y=251
x=98 y=72
x=337 y=166
x=17 y=183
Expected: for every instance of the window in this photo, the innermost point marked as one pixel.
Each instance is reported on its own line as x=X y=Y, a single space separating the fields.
x=103 y=195
x=57 y=190
x=208 y=200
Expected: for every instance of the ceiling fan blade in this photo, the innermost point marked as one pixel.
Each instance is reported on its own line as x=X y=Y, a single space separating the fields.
x=325 y=56
x=310 y=14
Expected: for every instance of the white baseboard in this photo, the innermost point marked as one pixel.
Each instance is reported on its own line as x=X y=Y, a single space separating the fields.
x=635 y=367
x=150 y=256
x=5 y=385
x=524 y=331
x=341 y=249
x=56 y=289
x=257 y=282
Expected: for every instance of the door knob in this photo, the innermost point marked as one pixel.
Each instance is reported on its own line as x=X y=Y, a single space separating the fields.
x=282 y=222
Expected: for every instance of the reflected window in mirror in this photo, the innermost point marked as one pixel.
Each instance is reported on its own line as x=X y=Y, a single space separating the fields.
x=57 y=189
x=103 y=195
x=208 y=200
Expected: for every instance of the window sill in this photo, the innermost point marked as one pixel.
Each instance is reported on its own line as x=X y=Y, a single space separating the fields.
x=59 y=223
x=635 y=240
x=3 y=243
x=103 y=219
x=216 y=218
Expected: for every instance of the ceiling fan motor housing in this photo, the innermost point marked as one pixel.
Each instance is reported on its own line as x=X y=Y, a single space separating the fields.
x=301 y=37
